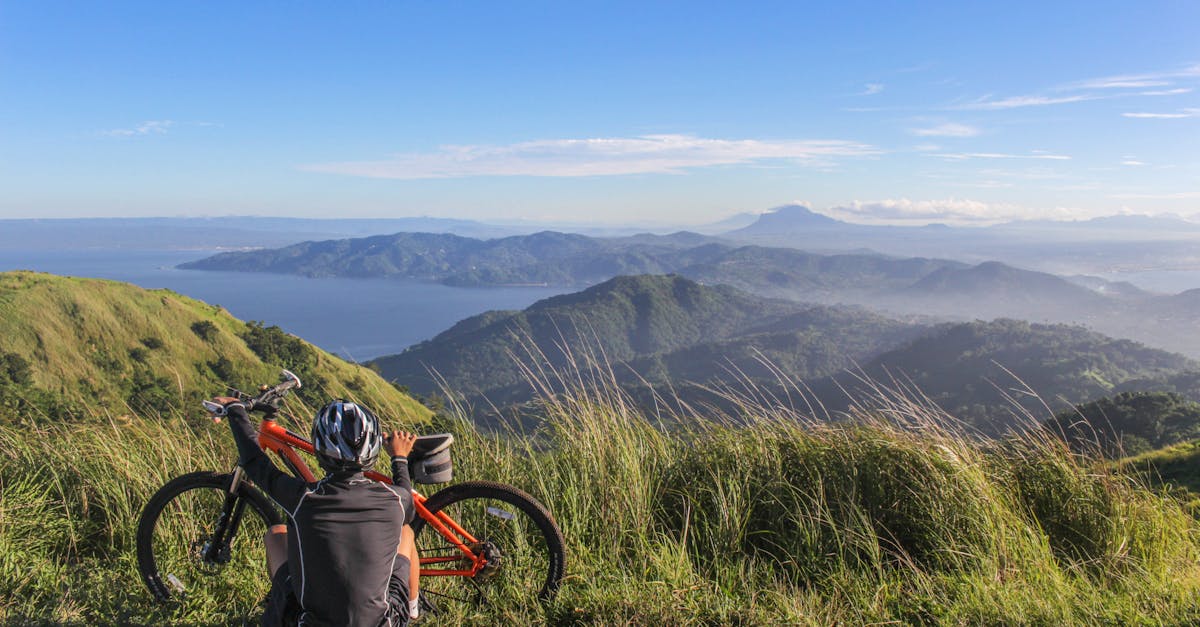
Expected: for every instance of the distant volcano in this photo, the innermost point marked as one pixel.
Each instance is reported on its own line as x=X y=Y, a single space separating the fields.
x=789 y=218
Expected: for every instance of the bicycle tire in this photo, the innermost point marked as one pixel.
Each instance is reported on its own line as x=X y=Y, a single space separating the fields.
x=466 y=503
x=208 y=488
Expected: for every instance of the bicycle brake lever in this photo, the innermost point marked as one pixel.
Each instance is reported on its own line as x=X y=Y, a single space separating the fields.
x=215 y=409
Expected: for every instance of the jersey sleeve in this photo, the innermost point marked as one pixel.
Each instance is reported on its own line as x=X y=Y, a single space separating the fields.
x=283 y=488
x=402 y=486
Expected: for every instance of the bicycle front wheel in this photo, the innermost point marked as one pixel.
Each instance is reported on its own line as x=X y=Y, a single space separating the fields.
x=518 y=536
x=198 y=543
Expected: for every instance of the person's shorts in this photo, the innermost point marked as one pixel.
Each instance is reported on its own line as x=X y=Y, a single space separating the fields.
x=283 y=609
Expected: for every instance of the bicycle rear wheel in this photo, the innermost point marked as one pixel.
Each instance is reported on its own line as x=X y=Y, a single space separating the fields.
x=523 y=544
x=199 y=544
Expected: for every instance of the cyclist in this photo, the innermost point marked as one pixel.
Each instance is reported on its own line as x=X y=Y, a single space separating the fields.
x=347 y=555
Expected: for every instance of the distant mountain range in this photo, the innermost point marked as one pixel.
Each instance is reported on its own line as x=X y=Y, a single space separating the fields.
x=687 y=340
x=1126 y=243
x=786 y=223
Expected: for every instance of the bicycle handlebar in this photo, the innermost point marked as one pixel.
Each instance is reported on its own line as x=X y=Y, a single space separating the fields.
x=265 y=401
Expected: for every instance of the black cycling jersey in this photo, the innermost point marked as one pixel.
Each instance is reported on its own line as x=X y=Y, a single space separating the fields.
x=343 y=533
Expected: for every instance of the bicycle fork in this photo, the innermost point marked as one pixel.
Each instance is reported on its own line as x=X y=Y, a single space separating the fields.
x=216 y=549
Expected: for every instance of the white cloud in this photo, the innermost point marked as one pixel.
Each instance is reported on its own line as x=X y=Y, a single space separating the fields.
x=1167 y=92
x=1133 y=162
x=1182 y=113
x=649 y=154
x=1036 y=154
x=149 y=127
x=951 y=210
x=1092 y=89
x=949 y=129
x=1121 y=83
x=1128 y=81
x=987 y=103
x=870 y=89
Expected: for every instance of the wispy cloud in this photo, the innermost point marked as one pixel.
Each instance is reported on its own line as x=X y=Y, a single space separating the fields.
x=1122 y=83
x=1092 y=89
x=870 y=89
x=649 y=154
x=1129 y=81
x=963 y=156
x=1167 y=92
x=988 y=103
x=949 y=129
x=149 y=127
x=1132 y=162
x=951 y=210
x=1182 y=113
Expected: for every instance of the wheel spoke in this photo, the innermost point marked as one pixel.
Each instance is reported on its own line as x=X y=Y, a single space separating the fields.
x=176 y=550
x=518 y=541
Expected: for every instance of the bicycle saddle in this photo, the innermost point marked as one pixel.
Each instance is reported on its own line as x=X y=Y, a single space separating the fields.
x=427 y=445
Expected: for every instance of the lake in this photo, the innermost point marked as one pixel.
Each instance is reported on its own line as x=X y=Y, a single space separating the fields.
x=358 y=319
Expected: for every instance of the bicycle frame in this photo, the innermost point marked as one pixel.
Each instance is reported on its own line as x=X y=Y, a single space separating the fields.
x=275 y=438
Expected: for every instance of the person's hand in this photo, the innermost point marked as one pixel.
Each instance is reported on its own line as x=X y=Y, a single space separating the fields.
x=224 y=401
x=399 y=443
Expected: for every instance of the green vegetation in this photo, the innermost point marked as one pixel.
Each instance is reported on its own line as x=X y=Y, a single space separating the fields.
x=693 y=342
x=761 y=515
x=1130 y=423
x=570 y=259
x=998 y=374
x=89 y=349
x=1177 y=467
x=665 y=328
x=894 y=517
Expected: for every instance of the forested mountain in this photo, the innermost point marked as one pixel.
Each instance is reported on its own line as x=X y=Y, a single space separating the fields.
x=983 y=372
x=87 y=348
x=684 y=339
x=1129 y=423
x=663 y=327
x=548 y=257
x=576 y=260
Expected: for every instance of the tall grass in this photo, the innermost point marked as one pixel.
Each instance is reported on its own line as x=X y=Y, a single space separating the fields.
x=763 y=514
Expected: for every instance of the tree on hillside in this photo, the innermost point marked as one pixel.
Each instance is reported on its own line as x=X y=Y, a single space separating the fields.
x=1129 y=423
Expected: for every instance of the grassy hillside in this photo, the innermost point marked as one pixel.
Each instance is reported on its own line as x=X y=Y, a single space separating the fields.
x=895 y=518
x=1177 y=467
x=89 y=348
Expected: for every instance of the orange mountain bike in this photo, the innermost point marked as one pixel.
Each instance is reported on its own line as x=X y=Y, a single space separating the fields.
x=486 y=541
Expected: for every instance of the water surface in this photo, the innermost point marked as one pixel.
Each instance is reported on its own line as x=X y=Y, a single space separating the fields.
x=357 y=318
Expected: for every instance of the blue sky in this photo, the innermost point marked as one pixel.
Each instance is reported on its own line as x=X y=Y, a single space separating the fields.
x=600 y=112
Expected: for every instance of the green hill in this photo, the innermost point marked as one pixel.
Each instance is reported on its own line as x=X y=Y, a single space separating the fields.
x=977 y=371
x=1130 y=423
x=653 y=328
x=85 y=348
x=1176 y=466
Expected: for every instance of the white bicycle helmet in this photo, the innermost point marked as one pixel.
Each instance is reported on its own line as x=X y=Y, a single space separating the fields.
x=346 y=436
